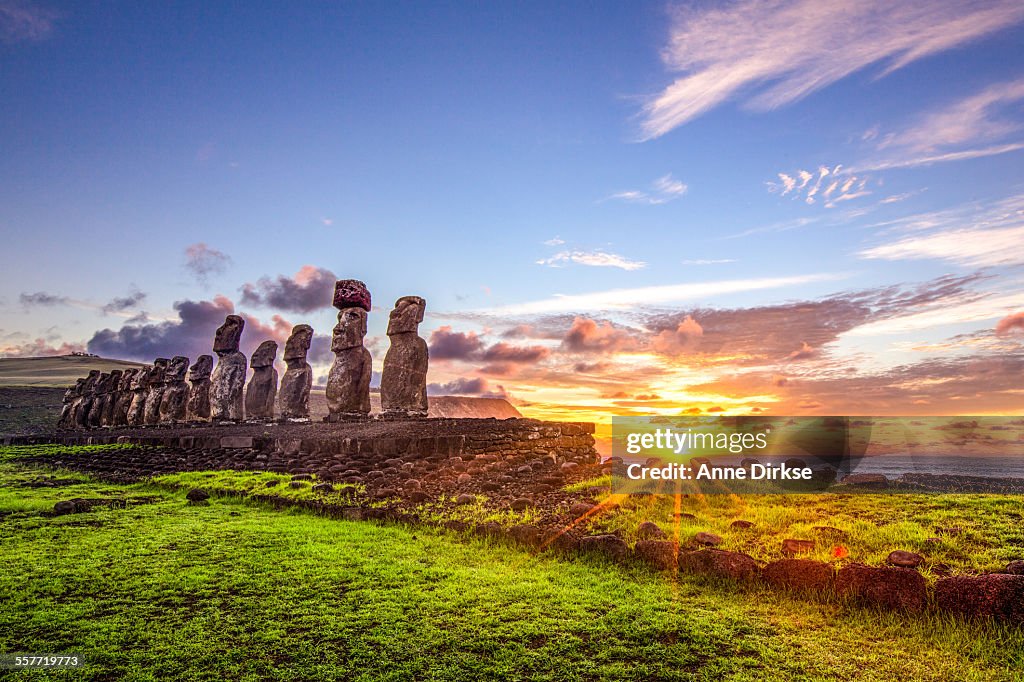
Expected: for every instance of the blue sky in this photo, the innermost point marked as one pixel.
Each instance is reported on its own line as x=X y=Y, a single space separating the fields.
x=701 y=157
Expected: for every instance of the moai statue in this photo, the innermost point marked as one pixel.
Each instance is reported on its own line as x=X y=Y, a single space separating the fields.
x=95 y=417
x=298 y=378
x=155 y=393
x=84 y=406
x=175 y=396
x=261 y=392
x=348 y=382
x=68 y=404
x=110 y=398
x=198 y=408
x=403 y=383
x=228 y=378
x=123 y=398
x=137 y=405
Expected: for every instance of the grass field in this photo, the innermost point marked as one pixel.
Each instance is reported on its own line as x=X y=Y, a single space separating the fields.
x=155 y=588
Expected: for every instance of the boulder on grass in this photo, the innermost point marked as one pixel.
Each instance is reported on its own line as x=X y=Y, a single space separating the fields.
x=607 y=545
x=804 y=575
x=660 y=554
x=718 y=562
x=996 y=595
x=197 y=495
x=885 y=587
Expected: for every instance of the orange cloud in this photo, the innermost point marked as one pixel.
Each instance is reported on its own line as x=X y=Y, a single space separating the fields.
x=1010 y=324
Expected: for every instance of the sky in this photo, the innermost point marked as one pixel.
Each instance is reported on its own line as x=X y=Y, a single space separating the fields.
x=780 y=207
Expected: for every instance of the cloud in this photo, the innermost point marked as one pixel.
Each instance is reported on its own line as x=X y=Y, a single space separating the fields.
x=554 y=241
x=644 y=296
x=973 y=235
x=448 y=345
x=42 y=299
x=472 y=387
x=776 y=52
x=23 y=22
x=830 y=186
x=121 y=303
x=39 y=348
x=508 y=353
x=805 y=352
x=683 y=339
x=592 y=258
x=311 y=288
x=1010 y=324
x=970 y=247
x=663 y=190
x=590 y=336
x=929 y=159
x=970 y=120
x=203 y=261
x=190 y=335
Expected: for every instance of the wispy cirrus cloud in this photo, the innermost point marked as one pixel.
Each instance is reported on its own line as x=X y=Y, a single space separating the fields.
x=977 y=118
x=592 y=258
x=828 y=186
x=663 y=190
x=972 y=235
x=779 y=51
x=670 y=293
x=23 y=22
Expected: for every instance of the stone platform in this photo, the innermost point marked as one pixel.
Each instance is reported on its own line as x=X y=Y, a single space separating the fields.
x=323 y=448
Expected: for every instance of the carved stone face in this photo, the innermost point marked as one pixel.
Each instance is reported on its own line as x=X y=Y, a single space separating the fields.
x=265 y=355
x=90 y=382
x=176 y=368
x=228 y=335
x=298 y=343
x=114 y=380
x=407 y=315
x=201 y=369
x=141 y=378
x=350 y=330
x=157 y=371
x=127 y=377
x=79 y=386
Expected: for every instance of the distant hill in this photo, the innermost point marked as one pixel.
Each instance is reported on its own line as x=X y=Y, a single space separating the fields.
x=55 y=372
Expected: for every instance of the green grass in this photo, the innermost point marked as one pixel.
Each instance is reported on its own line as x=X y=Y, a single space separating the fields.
x=987 y=529
x=236 y=590
x=262 y=483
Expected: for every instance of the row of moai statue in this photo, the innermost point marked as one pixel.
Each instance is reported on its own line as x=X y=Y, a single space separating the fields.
x=171 y=392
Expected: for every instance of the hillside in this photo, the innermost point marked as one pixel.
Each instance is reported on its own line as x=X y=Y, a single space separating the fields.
x=54 y=372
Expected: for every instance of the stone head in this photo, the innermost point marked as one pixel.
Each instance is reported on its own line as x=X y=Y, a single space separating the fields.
x=350 y=330
x=127 y=377
x=141 y=379
x=157 y=371
x=202 y=368
x=265 y=355
x=78 y=387
x=90 y=382
x=298 y=343
x=407 y=315
x=102 y=383
x=228 y=335
x=176 y=368
x=114 y=380
x=351 y=293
